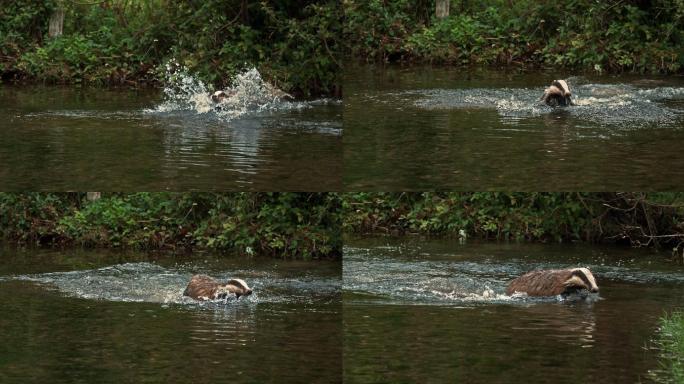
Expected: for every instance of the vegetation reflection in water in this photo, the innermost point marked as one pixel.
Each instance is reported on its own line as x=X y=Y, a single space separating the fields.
x=58 y=138
x=444 y=302
x=129 y=322
x=419 y=128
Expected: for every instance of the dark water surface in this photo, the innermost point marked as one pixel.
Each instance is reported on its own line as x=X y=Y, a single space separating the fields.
x=435 y=311
x=59 y=138
x=421 y=128
x=86 y=317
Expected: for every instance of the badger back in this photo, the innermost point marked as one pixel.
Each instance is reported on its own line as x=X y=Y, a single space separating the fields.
x=553 y=282
x=277 y=93
x=553 y=91
x=552 y=95
x=201 y=287
x=540 y=283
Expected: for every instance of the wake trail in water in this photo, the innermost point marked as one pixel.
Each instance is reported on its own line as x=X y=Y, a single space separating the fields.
x=369 y=272
x=421 y=282
x=609 y=104
x=147 y=282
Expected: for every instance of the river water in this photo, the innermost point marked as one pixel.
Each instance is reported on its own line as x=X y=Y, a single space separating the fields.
x=435 y=311
x=421 y=128
x=67 y=138
x=107 y=317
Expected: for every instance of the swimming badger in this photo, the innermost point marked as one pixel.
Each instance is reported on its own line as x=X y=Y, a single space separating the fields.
x=271 y=91
x=552 y=282
x=558 y=94
x=219 y=96
x=203 y=287
x=277 y=93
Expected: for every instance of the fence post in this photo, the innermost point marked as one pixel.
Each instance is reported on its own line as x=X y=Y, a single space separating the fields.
x=442 y=9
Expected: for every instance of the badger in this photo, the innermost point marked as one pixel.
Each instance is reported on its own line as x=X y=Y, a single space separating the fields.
x=219 y=96
x=203 y=287
x=553 y=282
x=277 y=93
x=270 y=90
x=558 y=94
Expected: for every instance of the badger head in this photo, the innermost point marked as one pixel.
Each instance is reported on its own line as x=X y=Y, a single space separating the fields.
x=238 y=287
x=557 y=94
x=563 y=87
x=581 y=279
x=218 y=96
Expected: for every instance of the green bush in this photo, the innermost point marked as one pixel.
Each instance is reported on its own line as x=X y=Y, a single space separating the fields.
x=287 y=225
x=632 y=218
x=602 y=36
x=22 y=24
x=293 y=44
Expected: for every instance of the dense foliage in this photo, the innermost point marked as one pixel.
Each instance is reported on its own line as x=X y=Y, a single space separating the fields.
x=671 y=346
x=298 y=45
x=633 y=35
x=640 y=219
x=292 y=43
x=287 y=225
x=310 y=225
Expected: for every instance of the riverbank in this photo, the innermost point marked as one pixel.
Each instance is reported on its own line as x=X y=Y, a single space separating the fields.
x=635 y=36
x=118 y=42
x=671 y=345
x=282 y=225
x=636 y=219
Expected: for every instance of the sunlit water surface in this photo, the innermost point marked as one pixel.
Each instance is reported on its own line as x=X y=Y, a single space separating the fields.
x=419 y=128
x=82 y=317
x=436 y=311
x=67 y=138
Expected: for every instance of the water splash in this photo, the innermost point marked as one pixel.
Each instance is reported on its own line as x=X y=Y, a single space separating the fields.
x=183 y=91
x=608 y=104
x=249 y=94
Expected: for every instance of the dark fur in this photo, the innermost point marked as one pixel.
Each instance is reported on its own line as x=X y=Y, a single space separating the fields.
x=552 y=282
x=203 y=287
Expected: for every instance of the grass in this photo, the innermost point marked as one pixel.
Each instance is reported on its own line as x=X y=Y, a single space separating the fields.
x=671 y=345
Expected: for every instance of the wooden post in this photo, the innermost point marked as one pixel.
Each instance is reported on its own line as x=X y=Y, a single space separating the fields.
x=442 y=9
x=92 y=196
x=56 y=22
x=244 y=12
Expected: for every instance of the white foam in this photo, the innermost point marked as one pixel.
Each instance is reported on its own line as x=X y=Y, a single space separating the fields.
x=248 y=94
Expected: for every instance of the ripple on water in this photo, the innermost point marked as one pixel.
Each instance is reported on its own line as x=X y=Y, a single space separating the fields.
x=85 y=114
